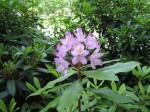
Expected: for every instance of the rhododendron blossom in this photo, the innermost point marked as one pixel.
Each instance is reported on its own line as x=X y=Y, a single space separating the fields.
x=80 y=35
x=62 y=51
x=91 y=42
x=80 y=49
x=67 y=41
x=94 y=58
x=79 y=54
x=63 y=66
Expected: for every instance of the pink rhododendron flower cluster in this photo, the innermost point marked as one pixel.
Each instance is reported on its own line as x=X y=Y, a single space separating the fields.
x=78 y=49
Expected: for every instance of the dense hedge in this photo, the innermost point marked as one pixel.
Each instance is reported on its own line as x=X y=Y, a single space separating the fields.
x=124 y=26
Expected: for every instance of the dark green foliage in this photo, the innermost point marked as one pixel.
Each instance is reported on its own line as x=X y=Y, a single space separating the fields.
x=24 y=50
x=123 y=24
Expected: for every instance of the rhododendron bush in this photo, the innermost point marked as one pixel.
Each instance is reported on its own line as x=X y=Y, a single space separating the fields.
x=74 y=56
x=80 y=54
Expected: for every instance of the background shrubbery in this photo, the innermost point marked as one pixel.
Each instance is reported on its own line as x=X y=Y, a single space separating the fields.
x=122 y=27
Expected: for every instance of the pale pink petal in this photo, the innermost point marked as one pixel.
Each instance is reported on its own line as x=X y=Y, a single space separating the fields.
x=89 y=35
x=75 y=60
x=98 y=62
x=93 y=65
x=63 y=41
x=85 y=53
x=79 y=31
x=68 y=35
x=91 y=42
x=74 y=53
x=61 y=54
x=63 y=64
x=80 y=36
x=99 y=55
x=83 y=60
x=58 y=47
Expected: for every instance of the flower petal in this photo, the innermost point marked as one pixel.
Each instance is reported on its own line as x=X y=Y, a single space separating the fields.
x=85 y=52
x=98 y=62
x=99 y=55
x=83 y=60
x=93 y=65
x=75 y=60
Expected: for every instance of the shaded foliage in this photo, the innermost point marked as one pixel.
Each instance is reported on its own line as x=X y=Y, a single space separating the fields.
x=124 y=26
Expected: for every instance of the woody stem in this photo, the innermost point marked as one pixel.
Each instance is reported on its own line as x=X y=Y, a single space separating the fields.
x=79 y=78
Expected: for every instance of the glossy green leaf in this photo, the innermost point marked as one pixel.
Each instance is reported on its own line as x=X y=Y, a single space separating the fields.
x=11 y=87
x=132 y=96
x=36 y=82
x=51 y=104
x=31 y=87
x=2 y=106
x=142 y=90
x=105 y=62
x=4 y=94
x=52 y=83
x=52 y=70
x=111 y=95
x=28 y=50
x=101 y=75
x=122 y=89
x=71 y=95
x=121 y=67
x=12 y=105
x=114 y=86
x=129 y=106
x=108 y=73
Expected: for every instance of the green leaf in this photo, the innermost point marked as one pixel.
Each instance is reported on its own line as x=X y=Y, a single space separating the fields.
x=51 y=104
x=111 y=95
x=4 y=94
x=129 y=106
x=36 y=82
x=57 y=88
x=52 y=83
x=142 y=90
x=31 y=87
x=143 y=108
x=71 y=95
x=122 y=89
x=121 y=67
x=11 y=87
x=114 y=86
x=132 y=96
x=2 y=106
x=100 y=75
x=105 y=62
x=12 y=105
x=52 y=70
x=148 y=89
x=112 y=108
x=28 y=50
x=108 y=73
